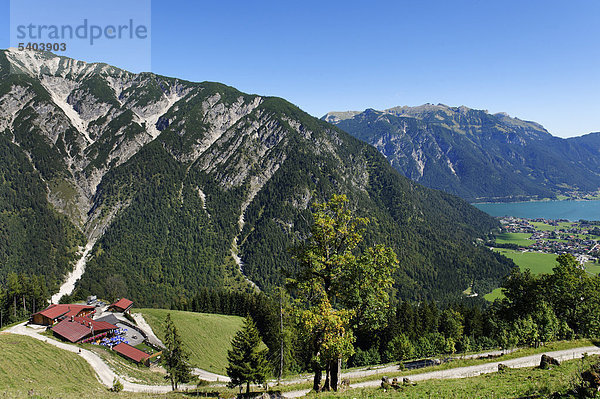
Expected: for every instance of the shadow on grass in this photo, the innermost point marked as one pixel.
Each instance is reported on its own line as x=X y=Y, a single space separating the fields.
x=218 y=394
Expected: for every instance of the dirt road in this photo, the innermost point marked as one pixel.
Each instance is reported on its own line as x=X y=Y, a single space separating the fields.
x=143 y=324
x=104 y=373
x=464 y=372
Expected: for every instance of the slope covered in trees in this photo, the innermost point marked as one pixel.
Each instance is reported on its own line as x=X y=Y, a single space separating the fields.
x=174 y=179
x=34 y=238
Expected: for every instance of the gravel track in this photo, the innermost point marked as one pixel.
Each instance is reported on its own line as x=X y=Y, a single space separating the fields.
x=462 y=372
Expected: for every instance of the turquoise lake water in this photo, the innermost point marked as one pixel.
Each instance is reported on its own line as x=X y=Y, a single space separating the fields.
x=571 y=210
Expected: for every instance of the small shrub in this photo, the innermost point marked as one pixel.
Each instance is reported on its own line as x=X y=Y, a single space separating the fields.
x=502 y=367
x=202 y=383
x=117 y=386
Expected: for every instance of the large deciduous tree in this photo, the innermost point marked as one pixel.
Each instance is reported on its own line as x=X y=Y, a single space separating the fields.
x=339 y=288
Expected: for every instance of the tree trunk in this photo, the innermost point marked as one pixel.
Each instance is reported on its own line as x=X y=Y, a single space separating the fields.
x=336 y=371
x=317 y=379
x=327 y=385
x=281 y=333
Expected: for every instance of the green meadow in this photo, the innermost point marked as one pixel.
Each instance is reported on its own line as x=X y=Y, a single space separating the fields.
x=521 y=239
x=207 y=337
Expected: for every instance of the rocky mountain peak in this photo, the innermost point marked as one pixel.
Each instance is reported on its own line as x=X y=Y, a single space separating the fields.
x=451 y=148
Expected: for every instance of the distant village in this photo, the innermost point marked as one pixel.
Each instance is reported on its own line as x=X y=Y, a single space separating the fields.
x=580 y=239
x=98 y=323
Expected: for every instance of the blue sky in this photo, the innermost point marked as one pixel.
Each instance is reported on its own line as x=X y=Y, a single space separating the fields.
x=536 y=60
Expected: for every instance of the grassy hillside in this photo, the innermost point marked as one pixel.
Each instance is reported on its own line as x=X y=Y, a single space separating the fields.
x=28 y=365
x=206 y=336
x=512 y=383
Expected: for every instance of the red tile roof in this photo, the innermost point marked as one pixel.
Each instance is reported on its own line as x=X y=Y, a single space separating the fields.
x=80 y=328
x=55 y=311
x=99 y=326
x=74 y=310
x=122 y=303
x=71 y=331
x=131 y=352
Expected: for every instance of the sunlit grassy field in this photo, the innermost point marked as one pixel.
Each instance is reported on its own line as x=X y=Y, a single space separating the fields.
x=207 y=337
x=32 y=368
x=546 y=227
x=521 y=239
x=535 y=261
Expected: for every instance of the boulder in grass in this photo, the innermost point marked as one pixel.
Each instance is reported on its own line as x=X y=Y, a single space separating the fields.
x=385 y=383
x=548 y=361
x=502 y=367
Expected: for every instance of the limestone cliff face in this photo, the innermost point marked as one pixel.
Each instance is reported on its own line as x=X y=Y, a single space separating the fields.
x=474 y=154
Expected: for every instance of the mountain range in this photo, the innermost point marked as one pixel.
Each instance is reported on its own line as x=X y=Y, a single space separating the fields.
x=477 y=155
x=176 y=185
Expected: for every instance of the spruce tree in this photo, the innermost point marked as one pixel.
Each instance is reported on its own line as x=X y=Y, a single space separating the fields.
x=247 y=362
x=175 y=357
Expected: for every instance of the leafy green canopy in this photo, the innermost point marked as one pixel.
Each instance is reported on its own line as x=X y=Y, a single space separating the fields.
x=332 y=274
x=550 y=306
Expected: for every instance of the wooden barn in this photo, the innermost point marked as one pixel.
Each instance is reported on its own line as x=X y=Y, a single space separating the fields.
x=54 y=313
x=131 y=353
x=123 y=305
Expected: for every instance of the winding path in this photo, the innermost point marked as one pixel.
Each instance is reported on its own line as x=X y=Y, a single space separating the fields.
x=143 y=324
x=106 y=375
x=464 y=372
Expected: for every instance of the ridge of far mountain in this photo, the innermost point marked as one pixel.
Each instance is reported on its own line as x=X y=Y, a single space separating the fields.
x=477 y=155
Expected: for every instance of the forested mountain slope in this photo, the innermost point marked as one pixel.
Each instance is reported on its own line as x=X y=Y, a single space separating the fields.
x=173 y=181
x=477 y=155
